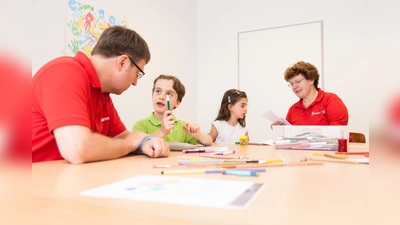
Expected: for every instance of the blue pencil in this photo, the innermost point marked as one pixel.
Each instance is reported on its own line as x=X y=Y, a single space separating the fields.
x=241 y=173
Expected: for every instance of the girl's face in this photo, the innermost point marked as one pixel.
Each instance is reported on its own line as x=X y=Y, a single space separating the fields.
x=162 y=88
x=239 y=109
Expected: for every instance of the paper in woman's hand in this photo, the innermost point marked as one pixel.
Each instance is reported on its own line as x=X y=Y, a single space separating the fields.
x=271 y=116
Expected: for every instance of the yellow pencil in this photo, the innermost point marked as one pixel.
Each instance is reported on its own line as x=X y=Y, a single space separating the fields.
x=270 y=161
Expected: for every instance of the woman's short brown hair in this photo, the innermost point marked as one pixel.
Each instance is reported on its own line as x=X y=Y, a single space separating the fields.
x=308 y=70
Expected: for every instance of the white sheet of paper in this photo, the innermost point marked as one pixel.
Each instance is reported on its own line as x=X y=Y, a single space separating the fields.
x=181 y=190
x=271 y=116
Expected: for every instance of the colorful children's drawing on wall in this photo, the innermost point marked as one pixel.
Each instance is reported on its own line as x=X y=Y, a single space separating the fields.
x=85 y=24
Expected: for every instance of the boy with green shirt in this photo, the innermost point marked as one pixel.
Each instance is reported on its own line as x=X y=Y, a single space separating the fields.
x=161 y=122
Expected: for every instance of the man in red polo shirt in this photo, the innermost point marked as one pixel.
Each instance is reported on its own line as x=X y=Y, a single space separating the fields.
x=73 y=116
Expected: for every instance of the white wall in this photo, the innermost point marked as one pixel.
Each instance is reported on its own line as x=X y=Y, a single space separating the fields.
x=197 y=41
x=361 y=48
x=262 y=55
x=13 y=39
x=169 y=27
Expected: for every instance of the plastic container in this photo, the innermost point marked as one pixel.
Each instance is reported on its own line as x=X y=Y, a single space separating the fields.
x=244 y=140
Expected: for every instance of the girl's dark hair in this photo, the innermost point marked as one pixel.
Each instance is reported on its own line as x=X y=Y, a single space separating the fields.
x=231 y=97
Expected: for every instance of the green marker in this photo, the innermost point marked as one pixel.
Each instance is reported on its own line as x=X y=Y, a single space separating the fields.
x=168 y=105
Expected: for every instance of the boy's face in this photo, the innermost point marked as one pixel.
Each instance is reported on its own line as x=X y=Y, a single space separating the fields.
x=162 y=88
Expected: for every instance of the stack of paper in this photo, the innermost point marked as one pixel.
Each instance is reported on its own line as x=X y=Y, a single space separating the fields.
x=307 y=141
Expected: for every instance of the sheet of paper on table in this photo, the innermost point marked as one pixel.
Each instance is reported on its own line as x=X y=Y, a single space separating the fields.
x=230 y=194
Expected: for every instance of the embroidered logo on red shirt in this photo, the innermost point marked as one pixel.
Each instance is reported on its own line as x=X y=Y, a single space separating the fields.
x=105 y=119
x=317 y=113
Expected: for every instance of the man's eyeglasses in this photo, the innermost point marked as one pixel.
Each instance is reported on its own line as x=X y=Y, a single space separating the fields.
x=296 y=82
x=141 y=73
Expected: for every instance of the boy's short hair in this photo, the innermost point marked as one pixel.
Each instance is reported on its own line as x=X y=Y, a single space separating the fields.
x=178 y=86
x=119 y=40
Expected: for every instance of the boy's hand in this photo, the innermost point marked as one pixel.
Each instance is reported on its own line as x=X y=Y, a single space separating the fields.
x=192 y=129
x=168 y=122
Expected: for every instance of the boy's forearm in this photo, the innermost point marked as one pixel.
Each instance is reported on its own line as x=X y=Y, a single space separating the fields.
x=205 y=139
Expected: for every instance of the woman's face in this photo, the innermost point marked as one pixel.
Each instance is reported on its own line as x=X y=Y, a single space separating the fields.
x=301 y=87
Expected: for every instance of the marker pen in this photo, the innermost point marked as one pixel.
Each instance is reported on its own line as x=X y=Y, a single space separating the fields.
x=225 y=153
x=197 y=150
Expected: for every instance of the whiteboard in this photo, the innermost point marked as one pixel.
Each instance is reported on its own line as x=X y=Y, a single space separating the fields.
x=263 y=57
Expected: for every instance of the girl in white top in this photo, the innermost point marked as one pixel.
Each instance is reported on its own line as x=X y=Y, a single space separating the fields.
x=230 y=123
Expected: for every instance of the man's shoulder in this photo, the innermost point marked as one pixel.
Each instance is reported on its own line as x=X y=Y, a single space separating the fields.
x=62 y=61
x=62 y=66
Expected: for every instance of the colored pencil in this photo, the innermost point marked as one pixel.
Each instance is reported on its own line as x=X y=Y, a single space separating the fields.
x=351 y=153
x=336 y=161
x=330 y=155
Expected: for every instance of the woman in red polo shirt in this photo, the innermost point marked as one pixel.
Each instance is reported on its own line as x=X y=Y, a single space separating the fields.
x=315 y=106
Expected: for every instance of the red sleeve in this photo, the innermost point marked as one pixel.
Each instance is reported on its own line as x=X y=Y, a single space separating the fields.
x=63 y=97
x=336 y=111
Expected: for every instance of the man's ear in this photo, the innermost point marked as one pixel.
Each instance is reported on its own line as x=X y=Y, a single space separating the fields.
x=121 y=61
x=177 y=104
